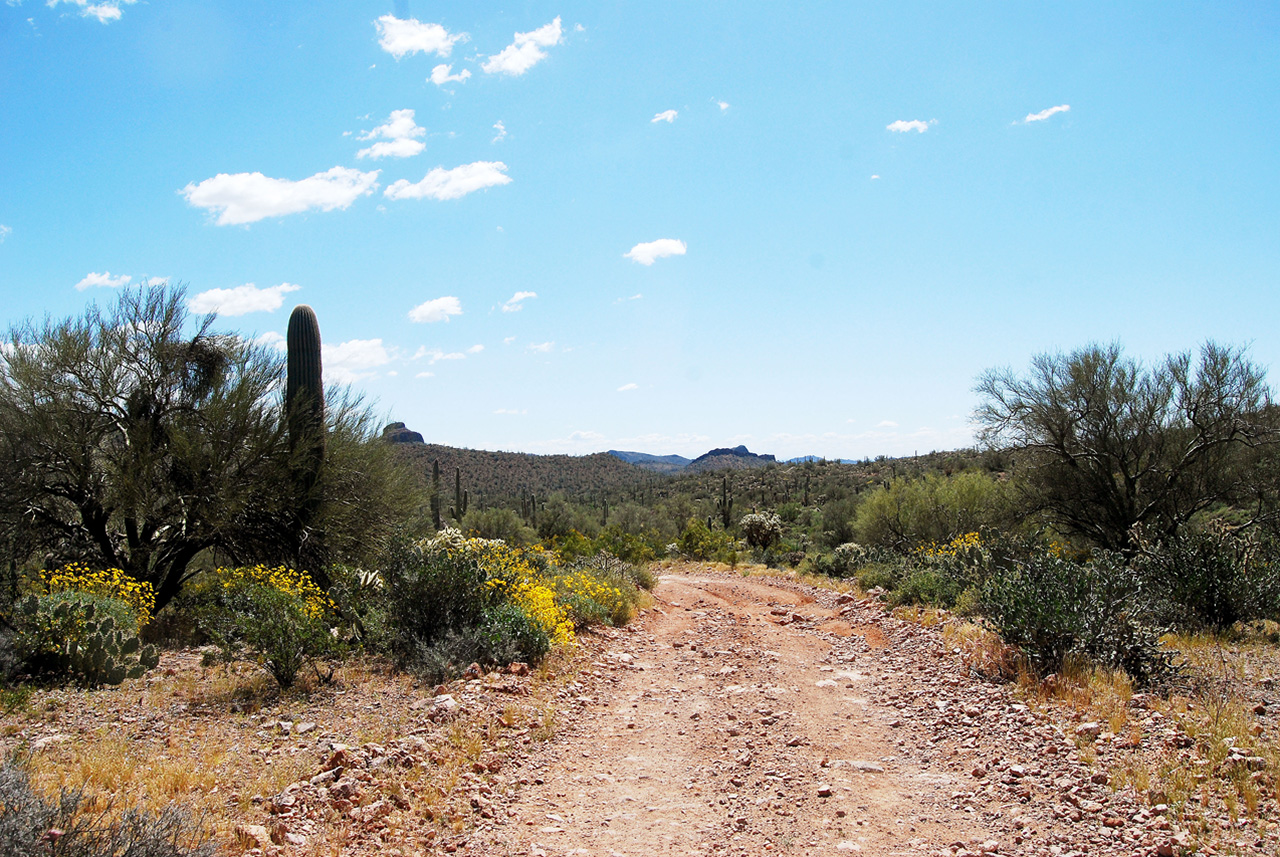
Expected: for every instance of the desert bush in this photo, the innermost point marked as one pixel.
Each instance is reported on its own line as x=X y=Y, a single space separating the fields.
x=453 y=600
x=497 y=523
x=1052 y=608
x=840 y=562
x=933 y=509
x=276 y=615
x=1211 y=579
x=699 y=542
x=27 y=819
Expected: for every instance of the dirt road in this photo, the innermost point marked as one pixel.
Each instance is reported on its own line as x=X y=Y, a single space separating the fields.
x=745 y=715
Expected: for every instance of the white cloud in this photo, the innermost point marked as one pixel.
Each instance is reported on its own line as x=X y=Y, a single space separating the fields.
x=502 y=131
x=586 y=435
x=396 y=137
x=723 y=105
x=902 y=125
x=104 y=279
x=156 y=281
x=425 y=375
x=4 y=232
x=667 y=116
x=526 y=51
x=442 y=74
x=646 y=253
x=1046 y=113
x=542 y=347
x=874 y=177
x=437 y=309
x=399 y=36
x=106 y=11
x=508 y=340
x=626 y=387
x=250 y=197
x=272 y=339
x=353 y=360
x=517 y=301
x=241 y=300
x=451 y=184
x=475 y=349
x=886 y=424
x=435 y=355
x=637 y=296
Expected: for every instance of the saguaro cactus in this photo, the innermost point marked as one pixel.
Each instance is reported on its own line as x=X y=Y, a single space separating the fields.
x=304 y=412
x=435 y=494
x=726 y=503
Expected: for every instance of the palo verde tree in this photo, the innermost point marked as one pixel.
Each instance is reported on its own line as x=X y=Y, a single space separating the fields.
x=137 y=438
x=1113 y=445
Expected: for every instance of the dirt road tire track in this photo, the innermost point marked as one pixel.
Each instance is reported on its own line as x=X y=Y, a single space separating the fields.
x=748 y=716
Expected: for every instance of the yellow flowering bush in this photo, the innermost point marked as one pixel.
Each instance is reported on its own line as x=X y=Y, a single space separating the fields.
x=287 y=581
x=107 y=583
x=961 y=546
x=276 y=613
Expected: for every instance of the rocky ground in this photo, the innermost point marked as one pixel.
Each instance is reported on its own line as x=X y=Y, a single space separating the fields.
x=739 y=715
x=745 y=715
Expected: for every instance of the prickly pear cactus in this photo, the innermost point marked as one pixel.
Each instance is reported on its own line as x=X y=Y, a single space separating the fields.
x=93 y=650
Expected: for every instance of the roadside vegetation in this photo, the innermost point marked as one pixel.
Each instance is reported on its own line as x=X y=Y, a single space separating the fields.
x=165 y=487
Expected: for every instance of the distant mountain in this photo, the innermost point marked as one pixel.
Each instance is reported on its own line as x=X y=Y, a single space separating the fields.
x=399 y=433
x=738 y=458
x=656 y=463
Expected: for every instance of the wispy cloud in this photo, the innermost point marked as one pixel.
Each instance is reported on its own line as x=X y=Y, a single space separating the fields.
x=353 y=360
x=396 y=137
x=525 y=51
x=105 y=11
x=4 y=232
x=425 y=375
x=874 y=177
x=442 y=74
x=542 y=347
x=648 y=252
x=103 y=280
x=637 y=296
x=241 y=299
x=435 y=355
x=903 y=125
x=475 y=349
x=516 y=303
x=667 y=116
x=273 y=340
x=436 y=309
x=250 y=197
x=502 y=132
x=886 y=424
x=723 y=105
x=451 y=184
x=628 y=387
x=1046 y=113
x=401 y=37
x=508 y=340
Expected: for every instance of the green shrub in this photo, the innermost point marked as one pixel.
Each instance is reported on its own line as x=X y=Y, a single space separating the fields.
x=276 y=615
x=699 y=542
x=1212 y=579
x=934 y=587
x=1052 y=608
x=933 y=509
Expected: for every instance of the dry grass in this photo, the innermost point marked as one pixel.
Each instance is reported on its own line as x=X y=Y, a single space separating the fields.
x=222 y=740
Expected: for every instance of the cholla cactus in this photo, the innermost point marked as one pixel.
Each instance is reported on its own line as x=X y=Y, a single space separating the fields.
x=761 y=529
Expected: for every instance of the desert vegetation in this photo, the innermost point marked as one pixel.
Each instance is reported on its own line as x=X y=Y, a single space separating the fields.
x=167 y=486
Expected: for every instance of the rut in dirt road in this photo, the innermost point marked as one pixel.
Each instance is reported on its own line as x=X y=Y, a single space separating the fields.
x=746 y=715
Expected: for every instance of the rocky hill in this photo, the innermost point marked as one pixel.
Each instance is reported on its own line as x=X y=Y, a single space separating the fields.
x=737 y=458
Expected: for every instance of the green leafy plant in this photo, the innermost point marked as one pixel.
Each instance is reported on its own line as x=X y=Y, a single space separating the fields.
x=276 y=615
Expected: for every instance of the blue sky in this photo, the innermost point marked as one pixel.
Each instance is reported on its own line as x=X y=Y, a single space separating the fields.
x=569 y=227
